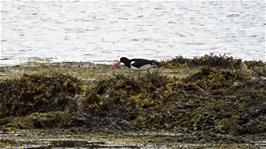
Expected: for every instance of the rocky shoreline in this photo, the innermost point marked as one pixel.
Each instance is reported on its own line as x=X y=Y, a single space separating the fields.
x=211 y=99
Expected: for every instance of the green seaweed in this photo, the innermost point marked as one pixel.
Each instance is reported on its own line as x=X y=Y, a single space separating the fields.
x=216 y=94
x=40 y=121
x=212 y=99
x=209 y=60
x=37 y=93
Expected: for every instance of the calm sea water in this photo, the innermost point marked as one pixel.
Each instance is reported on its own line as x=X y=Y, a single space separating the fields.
x=102 y=31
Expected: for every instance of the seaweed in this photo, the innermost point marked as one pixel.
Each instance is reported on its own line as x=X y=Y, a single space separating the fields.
x=224 y=96
x=39 y=121
x=208 y=60
x=211 y=100
x=37 y=93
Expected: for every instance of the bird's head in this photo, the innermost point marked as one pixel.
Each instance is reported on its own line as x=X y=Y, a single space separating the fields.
x=124 y=59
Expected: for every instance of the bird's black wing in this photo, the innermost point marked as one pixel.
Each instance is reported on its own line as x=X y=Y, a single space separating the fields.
x=139 y=62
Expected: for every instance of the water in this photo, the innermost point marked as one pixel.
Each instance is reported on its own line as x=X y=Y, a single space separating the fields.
x=103 y=31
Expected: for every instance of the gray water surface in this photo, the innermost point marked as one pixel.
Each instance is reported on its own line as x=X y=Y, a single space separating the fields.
x=102 y=31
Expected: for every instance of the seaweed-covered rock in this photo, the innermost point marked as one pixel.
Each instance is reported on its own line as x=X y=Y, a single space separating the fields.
x=56 y=119
x=118 y=100
x=37 y=93
x=216 y=78
x=227 y=98
x=213 y=99
x=149 y=101
x=219 y=116
x=209 y=60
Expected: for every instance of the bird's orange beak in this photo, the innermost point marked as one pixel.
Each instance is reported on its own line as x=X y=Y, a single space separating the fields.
x=116 y=65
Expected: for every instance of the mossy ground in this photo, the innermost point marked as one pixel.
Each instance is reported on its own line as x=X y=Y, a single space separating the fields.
x=212 y=96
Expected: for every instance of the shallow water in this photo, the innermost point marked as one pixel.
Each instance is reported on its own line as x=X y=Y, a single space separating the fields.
x=103 y=31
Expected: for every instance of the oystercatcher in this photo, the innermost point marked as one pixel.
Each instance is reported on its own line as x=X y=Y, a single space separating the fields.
x=138 y=63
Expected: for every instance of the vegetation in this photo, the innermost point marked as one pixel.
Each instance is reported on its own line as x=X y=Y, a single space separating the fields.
x=216 y=100
x=211 y=94
x=36 y=93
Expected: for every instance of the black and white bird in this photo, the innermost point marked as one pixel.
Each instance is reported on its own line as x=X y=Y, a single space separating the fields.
x=139 y=64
